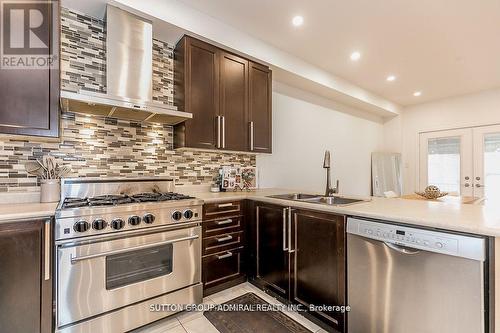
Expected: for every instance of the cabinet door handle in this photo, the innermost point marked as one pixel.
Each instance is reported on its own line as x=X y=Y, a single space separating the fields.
x=224 y=256
x=251 y=136
x=218 y=131
x=223 y=132
x=290 y=231
x=224 y=222
x=224 y=239
x=47 y=250
x=285 y=248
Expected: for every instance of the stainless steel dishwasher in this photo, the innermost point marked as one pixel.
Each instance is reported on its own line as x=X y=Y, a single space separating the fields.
x=410 y=280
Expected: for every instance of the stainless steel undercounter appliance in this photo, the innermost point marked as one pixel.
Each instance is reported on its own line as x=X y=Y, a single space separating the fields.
x=123 y=245
x=405 y=279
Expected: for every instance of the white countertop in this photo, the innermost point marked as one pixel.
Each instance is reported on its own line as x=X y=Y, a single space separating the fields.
x=22 y=211
x=476 y=219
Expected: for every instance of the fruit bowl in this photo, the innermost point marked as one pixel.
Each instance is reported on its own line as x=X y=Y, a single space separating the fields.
x=432 y=192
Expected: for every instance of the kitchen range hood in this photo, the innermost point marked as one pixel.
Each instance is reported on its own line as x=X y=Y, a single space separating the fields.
x=129 y=76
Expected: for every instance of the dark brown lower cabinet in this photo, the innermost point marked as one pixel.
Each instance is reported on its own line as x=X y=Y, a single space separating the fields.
x=222 y=269
x=299 y=255
x=272 y=257
x=223 y=254
x=26 y=277
x=319 y=278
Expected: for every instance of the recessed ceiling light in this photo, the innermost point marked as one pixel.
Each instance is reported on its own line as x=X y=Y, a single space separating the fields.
x=391 y=78
x=355 y=56
x=297 y=20
x=417 y=93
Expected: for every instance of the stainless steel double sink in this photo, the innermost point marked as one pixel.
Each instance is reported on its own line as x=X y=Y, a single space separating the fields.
x=318 y=199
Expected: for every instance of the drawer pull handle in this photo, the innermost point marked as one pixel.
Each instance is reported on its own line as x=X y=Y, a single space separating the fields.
x=224 y=256
x=224 y=239
x=225 y=205
x=224 y=222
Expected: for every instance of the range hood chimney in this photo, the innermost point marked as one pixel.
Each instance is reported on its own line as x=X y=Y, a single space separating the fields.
x=129 y=75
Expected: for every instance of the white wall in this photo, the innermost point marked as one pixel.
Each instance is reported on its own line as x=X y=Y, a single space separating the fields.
x=465 y=111
x=287 y=66
x=303 y=127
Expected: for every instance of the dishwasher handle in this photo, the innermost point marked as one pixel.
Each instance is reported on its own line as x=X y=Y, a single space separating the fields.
x=401 y=249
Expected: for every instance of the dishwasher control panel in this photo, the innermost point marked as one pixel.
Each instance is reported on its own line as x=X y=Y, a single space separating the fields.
x=428 y=240
x=405 y=237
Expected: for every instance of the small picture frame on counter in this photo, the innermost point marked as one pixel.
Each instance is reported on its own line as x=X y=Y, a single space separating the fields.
x=238 y=178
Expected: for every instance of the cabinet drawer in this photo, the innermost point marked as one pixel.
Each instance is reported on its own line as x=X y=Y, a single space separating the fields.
x=221 y=267
x=221 y=226
x=221 y=209
x=222 y=242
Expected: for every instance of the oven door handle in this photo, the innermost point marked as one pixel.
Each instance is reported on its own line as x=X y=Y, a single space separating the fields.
x=75 y=260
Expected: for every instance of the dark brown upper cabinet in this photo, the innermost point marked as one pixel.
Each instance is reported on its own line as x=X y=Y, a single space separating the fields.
x=30 y=97
x=260 y=108
x=196 y=90
x=234 y=101
x=228 y=95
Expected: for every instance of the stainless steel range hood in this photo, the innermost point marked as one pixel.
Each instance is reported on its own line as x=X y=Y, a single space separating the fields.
x=129 y=75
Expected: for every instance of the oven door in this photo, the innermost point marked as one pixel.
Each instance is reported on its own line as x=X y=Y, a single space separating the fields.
x=100 y=276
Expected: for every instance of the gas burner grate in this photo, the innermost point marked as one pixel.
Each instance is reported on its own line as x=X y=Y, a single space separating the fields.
x=113 y=200
x=154 y=196
x=146 y=197
x=109 y=200
x=75 y=202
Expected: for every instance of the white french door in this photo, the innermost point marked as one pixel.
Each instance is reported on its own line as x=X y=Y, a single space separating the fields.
x=487 y=163
x=446 y=161
x=463 y=161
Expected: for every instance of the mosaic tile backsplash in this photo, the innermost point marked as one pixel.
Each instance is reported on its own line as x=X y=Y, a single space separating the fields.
x=107 y=147
x=83 y=52
x=83 y=57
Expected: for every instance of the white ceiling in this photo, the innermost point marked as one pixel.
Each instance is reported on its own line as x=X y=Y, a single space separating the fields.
x=94 y=8
x=97 y=8
x=440 y=47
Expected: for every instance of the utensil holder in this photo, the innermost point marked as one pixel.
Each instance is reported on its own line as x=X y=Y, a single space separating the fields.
x=50 y=190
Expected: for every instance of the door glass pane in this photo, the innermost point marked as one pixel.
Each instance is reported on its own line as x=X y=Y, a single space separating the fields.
x=492 y=165
x=443 y=164
x=135 y=266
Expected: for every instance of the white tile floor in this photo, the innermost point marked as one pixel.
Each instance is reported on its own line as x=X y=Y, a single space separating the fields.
x=195 y=322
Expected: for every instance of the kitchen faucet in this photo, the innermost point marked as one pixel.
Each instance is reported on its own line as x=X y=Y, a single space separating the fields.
x=326 y=165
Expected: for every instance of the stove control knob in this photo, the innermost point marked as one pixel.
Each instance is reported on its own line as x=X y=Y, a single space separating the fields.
x=117 y=224
x=176 y=215
x=188 y=214
x=148 y=218
x=134 y=220
x=99 y=224
x=81 y=226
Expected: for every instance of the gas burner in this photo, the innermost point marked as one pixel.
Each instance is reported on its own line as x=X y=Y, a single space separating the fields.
x=75 y=202
x=155 y=197
x=121 y=199
x=109 y=200
x=146 y=197
x=173 y=196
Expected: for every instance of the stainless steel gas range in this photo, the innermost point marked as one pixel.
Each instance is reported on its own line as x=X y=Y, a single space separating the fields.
x=123 y=245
